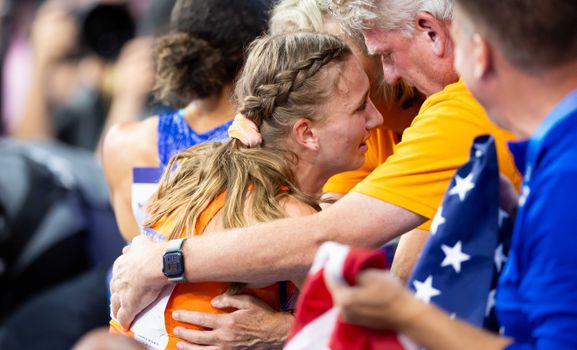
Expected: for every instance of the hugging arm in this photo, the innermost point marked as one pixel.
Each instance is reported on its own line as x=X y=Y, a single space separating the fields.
x=272 y=251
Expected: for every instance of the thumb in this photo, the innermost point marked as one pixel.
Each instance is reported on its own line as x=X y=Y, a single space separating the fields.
x=227 y=300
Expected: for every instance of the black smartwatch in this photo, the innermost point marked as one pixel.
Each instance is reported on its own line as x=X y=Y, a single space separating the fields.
x=173 y=261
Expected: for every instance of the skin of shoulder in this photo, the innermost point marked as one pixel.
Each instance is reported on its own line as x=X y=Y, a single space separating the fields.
x=126 y=146
x=294 y=207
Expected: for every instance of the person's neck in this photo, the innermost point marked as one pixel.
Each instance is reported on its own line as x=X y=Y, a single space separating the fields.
x=534 y=96
x=207 y=113
x=309 y=178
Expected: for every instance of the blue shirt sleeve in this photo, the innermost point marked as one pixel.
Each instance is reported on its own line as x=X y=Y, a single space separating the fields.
x=547 y=260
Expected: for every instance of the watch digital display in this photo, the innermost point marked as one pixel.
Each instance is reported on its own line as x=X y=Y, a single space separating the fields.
x=173 y=264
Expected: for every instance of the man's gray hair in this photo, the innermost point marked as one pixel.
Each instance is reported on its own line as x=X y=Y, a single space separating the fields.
x=388 y=14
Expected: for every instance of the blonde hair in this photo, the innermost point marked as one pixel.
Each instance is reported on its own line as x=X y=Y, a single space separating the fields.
x=284 y=79
x=312 y=15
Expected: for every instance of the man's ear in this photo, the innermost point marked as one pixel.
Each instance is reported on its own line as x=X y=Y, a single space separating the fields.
x=483 y=56
x=305 y=135
x=435 y=32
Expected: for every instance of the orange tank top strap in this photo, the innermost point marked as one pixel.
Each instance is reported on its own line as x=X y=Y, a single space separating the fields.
x=214 y=207
x=208 y=213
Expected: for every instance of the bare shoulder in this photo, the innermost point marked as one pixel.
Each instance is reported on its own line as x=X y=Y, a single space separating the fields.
x=295 y=207
x=131 y=142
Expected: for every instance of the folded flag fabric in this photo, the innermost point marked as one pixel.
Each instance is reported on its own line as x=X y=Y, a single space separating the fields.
x=461 y=261
x=317 y=323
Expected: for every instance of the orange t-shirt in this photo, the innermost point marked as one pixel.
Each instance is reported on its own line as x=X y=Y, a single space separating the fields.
x=197 y=296
x=417 y=174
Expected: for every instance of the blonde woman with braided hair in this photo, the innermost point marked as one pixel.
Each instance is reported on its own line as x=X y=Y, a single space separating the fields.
x=305 y=115
x=398 y=103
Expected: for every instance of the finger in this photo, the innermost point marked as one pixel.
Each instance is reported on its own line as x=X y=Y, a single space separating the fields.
x=126 y=249
x=114 y=305
x=197 y=337
x=368 y=277
x=241 y=301
x=199 y=318
x=125 y=317
x=187 y=346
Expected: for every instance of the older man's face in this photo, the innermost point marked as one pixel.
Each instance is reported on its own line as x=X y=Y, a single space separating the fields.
x=405 y=56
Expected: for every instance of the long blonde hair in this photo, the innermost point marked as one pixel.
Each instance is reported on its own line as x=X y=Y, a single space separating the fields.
x=284 y=79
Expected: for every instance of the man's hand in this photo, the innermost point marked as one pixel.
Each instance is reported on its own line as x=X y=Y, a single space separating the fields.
x=253 y=325
x=379 y=300
x=137 y=279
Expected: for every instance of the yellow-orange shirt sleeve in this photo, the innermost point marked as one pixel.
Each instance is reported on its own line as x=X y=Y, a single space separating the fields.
x=416 y=176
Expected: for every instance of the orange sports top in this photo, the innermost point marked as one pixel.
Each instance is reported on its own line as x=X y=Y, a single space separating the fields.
x=197 y=296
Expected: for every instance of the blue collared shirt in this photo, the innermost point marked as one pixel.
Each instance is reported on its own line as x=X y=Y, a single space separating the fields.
x=537 y=294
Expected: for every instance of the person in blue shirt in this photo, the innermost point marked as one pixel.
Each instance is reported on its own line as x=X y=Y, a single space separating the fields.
x=522 y=66
x=196 y=64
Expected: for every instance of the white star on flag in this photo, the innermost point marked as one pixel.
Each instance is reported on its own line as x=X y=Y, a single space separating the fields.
x=490 y=302
x=454 y=256
x=500 y=258
x=462 y=186
x=502 y=216
x=424 y=291
x=438 y=220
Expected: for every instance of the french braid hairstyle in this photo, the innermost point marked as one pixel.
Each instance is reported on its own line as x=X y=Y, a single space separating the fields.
x=284 y=78
x=316 y=16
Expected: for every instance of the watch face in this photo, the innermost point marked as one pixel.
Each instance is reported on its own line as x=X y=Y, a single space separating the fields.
x=173 y=264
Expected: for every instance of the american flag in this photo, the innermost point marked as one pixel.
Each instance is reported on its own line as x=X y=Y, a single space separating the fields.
x=460 y=264
x=317 y=324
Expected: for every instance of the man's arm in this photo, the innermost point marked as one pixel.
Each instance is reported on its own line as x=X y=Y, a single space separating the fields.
x=284 y=249
x=380 y=301
x=264 y=253
x=408 y=251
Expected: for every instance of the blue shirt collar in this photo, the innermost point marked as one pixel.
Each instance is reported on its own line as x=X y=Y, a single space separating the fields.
x=527 y=152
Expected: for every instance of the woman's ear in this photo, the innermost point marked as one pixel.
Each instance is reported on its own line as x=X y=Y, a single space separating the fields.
x=435 y=32
x=305 y=135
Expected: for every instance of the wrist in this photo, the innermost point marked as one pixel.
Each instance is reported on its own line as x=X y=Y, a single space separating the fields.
x=280 y=329
x=155 y=276
x=410 y=311
x=173 y=266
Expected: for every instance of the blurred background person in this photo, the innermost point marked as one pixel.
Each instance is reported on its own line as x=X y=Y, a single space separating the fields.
x=74 y=49
x=58 y=235
x=196 y=64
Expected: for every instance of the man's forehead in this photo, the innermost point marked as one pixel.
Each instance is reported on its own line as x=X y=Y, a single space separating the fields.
x=380 y=41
